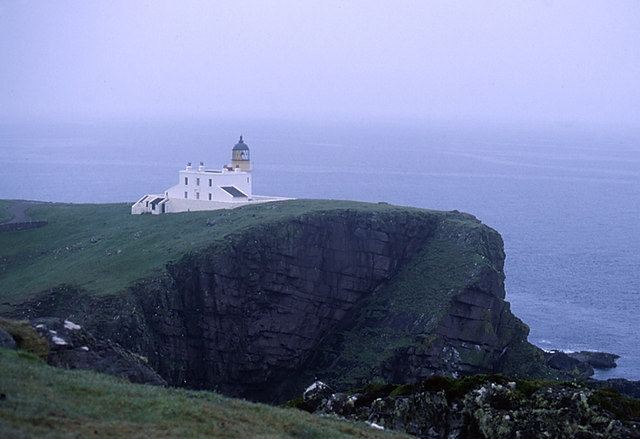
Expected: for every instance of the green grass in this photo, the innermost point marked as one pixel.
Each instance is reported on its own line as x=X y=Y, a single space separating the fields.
x=40 y=401
x=103 y=249
x=5 y=215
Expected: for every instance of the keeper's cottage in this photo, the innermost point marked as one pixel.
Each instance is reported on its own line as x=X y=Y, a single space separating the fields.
x=207 y=189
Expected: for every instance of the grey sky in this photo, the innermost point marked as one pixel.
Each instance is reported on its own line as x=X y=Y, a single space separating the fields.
x=487 y=60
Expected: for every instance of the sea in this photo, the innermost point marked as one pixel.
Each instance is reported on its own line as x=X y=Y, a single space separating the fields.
x=564 y=197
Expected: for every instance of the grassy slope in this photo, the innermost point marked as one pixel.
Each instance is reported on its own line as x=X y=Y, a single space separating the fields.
x=5 y=215
x=102 y=248
x=41 y=401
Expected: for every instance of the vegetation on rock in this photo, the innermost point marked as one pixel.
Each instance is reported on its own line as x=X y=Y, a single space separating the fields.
x=26 y=338
x=484 y=406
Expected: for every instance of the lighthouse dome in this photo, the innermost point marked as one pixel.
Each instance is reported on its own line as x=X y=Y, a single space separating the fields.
x=241 y=146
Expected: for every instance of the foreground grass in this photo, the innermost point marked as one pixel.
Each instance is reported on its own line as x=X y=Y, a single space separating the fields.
x=102 y=248
x=40 y=401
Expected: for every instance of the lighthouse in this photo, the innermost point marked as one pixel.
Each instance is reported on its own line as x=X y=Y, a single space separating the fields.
x=240 y=157
x=207 y=189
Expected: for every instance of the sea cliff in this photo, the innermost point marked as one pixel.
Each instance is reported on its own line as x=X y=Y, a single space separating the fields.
x=272 y=296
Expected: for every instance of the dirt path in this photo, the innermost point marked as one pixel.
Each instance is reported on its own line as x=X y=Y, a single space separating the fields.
x=19 y=211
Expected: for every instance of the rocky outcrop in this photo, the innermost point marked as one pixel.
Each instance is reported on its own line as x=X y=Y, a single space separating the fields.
x=561 y=361
x=620 y=385
x=580 y=365
x=72 y=347
x=490 y=407
x=598 y=360
x=346 y=294
x=6 y=340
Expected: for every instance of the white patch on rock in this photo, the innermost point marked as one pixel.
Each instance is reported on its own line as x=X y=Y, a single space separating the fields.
x=374 y=425
x=315 y=385
x=85 y=348
x=59 y=341
x=71 y=326
x=311 y=388
x=39 y=326
x=480 y=394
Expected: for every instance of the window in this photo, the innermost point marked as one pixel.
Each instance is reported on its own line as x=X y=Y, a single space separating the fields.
x=186 y=181
x=186 y=194
x=197 y=182
x=247 y=179
x=197 y=195
x=209 y=195
x=209 y=182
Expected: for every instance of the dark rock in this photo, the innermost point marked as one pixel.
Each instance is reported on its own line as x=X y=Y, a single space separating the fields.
x=316 y=394
x=493 y=408
x=620 y=385
x=580 y=364
x=72 y=347
x=6 y=340
x=561 y=361
x=599 y=360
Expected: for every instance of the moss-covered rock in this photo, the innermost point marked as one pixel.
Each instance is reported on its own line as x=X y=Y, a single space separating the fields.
x=489 y=406
x=26 y=338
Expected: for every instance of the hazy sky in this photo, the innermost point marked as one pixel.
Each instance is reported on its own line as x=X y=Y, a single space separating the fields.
x=508 y=60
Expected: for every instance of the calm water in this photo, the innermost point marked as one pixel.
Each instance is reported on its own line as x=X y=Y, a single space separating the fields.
x=565 y=199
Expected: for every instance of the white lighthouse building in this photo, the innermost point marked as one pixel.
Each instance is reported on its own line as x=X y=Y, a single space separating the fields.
x=207 y=189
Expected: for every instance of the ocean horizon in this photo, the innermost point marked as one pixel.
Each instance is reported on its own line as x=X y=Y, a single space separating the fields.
x=565 y=198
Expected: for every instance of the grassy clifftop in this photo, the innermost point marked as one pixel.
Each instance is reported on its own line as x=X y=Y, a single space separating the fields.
x=102 y=249
x=41 y=401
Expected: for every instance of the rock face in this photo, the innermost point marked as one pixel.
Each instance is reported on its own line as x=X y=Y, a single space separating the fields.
x=348 y=295
x=345 y=294
x=483 y=407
